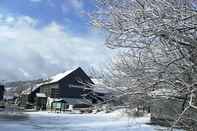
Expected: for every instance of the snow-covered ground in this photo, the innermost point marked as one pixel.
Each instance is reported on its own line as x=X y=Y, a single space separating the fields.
x=44 y=121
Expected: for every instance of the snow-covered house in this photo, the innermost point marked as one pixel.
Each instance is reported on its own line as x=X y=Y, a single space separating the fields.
x=73 y=84
x=73 y=87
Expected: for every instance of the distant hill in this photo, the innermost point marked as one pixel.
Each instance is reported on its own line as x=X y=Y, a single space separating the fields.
x=22 y=83
x=16 y=87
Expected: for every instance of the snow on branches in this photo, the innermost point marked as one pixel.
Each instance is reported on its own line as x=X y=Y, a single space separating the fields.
x=159 y=43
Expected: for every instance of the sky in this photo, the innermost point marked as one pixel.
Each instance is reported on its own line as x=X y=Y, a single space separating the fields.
x=40 y=38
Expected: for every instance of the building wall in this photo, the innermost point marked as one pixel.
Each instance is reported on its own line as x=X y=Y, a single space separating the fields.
x=75 y=85
x=48 y=89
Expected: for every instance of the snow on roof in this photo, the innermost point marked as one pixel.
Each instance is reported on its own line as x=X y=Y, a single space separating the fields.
x=53 y=79
x=37 y=86
x=40 y=95
x=27 y=91
x=60 y=76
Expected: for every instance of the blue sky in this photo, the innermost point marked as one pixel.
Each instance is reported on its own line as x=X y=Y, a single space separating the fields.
x=39 y=38
x=69 y=13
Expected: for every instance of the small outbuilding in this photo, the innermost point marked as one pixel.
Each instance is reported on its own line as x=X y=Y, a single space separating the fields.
x=2 y=90
x=27 y=98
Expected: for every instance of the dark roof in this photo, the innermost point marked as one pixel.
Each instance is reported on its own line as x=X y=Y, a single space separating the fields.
x=60 y=76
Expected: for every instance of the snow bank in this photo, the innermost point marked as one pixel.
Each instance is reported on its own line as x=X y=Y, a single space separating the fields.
x=119 y=114
x=106 y=121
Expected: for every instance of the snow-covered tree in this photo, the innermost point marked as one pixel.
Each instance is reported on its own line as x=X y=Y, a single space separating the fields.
x=159 y=41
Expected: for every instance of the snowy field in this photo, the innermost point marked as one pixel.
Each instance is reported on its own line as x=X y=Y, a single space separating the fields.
x=44 y=121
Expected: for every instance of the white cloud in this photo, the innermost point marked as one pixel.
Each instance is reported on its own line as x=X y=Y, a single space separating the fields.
x=9 y=19
x=47 y=50
x=73 y=5
x=77 y=4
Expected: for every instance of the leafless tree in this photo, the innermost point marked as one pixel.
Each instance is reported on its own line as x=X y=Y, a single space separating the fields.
x=158 y=39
